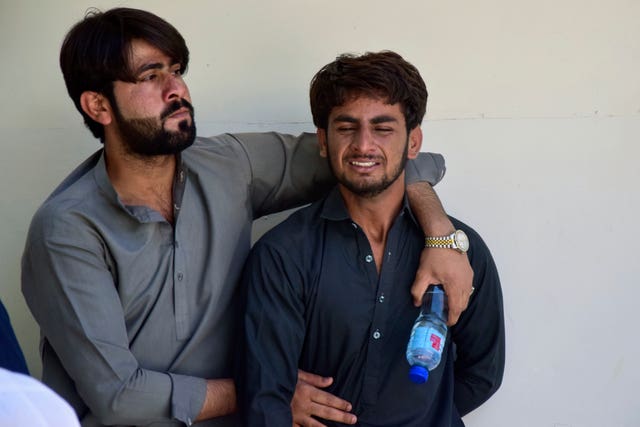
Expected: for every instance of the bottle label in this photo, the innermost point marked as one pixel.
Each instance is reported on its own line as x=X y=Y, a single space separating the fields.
x=429 y=338
x=436 y=340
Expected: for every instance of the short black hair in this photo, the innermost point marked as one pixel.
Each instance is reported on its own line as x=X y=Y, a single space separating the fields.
x=385 y=75
x=97 y=50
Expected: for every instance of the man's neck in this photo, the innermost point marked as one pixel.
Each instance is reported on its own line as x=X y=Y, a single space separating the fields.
x=142 y=181
x=375 y=215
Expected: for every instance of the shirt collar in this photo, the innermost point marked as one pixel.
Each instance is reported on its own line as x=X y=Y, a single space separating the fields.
x=142 y=213
x=334 y=208
x=102 y=179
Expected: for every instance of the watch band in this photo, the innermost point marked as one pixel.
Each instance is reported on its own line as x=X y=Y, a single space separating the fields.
x=439 y=242
x=457 y=240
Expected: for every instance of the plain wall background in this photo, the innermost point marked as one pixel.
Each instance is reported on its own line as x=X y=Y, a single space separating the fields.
x=535 y=105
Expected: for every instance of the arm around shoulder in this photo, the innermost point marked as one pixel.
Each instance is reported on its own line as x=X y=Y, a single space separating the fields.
x=439 y=265
x=286 y=170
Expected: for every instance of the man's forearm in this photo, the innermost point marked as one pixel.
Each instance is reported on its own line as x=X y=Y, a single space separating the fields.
x=428 y=210
x=220 y=399
x=439 y=265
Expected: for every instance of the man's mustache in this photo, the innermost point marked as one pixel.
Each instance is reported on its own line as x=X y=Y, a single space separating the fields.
x=175 y=106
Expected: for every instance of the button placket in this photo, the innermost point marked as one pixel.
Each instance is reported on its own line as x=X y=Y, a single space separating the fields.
x=179 y=289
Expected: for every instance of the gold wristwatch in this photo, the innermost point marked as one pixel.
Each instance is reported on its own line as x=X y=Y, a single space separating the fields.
x=457 y=240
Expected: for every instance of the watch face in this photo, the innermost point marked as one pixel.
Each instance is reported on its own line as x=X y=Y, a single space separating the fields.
x=462 y=241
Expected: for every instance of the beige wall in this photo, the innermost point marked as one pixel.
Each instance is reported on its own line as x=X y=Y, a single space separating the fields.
x=536 y=106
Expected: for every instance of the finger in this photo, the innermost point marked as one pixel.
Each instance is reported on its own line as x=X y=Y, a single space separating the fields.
x=416 y=293
x=332 y=414
x=457 y=306
x=424 y=276
x=417 y=290
x=420 y=285
x=313 y=379
x=328 y=400
x=458 y=302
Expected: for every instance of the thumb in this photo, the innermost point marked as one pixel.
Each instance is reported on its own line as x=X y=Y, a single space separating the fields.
x=420 y=285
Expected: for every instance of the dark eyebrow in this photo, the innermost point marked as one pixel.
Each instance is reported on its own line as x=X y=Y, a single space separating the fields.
x=150 y=66
x=383 y=119
x=376 y=120
x=345 y=118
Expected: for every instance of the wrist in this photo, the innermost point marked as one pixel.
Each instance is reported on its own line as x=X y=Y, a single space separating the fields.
x=457 y=240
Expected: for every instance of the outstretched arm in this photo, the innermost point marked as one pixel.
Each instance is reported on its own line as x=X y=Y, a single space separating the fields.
x=287 y=171
x=437 y=265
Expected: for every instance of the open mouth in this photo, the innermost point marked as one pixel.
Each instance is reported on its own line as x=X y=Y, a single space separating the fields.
x=363 y=164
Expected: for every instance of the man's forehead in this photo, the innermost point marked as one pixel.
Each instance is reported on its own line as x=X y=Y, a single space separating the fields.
x=143 y=52
x=366 y=107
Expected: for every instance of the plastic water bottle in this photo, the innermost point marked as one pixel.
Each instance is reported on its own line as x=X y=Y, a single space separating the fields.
x=428 y=334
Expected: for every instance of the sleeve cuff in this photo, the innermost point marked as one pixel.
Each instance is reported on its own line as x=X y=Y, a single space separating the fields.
x=187 y=397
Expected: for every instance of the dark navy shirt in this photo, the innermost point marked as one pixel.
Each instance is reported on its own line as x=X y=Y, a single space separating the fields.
x=315 y=301
x=11 y=356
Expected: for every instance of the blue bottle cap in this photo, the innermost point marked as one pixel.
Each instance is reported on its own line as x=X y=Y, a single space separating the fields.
x=418 y=374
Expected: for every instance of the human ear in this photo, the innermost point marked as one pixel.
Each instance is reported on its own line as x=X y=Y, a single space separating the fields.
x=322 y=141
x=415 y=142
x=96 y=106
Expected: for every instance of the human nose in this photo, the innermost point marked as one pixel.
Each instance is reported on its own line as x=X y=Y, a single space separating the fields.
x=174 y=87
x=363 y=140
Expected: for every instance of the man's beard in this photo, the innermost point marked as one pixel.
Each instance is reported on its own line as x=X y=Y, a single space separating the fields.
x=368 y=189
x=146 y=138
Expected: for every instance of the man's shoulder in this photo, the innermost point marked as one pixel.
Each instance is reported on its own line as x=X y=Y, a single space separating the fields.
x=221 y=156
x=221 y=145
x=298 y=230
x=295 y=245
x=77 y=193
x=74 y=180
